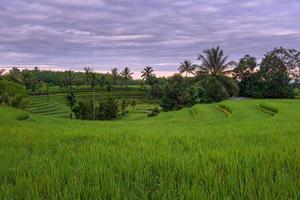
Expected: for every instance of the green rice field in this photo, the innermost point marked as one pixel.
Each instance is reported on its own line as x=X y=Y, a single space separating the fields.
x=238 y=149
x=54 y=104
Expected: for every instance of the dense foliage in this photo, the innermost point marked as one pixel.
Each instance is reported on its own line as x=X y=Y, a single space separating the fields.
x=106 y=110
x=275 y=79
x=12 y=94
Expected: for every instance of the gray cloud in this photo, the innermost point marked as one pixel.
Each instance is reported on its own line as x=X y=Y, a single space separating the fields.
x=135 y=33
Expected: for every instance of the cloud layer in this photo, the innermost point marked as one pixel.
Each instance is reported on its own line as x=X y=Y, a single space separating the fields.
x=135 y=33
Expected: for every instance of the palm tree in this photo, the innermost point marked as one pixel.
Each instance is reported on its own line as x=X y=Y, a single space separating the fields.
x=214 y=62
x=68 y=80
x=126 y=75
x=147 y=73
x=91 y=79
x=87 y=72
x=187 y=67
x=115 y=75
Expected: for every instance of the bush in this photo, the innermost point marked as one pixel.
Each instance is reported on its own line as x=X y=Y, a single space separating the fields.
x=12 y=94
x=124 y=104
x=83 y=110
x=23 y=117
x=155 y=111
x=230 y=85
x=212 y=90
x=169 y=100
x=107 y=110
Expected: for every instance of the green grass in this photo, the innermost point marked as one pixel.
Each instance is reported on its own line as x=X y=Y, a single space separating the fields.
x=194 y=153
x=268 y=108
x=225 y=109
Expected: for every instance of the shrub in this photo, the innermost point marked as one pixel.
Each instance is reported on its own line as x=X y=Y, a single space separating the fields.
x=169 y=100
x=155 y=111
x=212 y=90
x=12 y=94
x=230 y=85
x=23 y=117
x=124 y=104
x=83 y=110
x=107 y=110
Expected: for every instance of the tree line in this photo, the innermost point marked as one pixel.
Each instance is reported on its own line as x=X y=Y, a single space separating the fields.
x=213 y=80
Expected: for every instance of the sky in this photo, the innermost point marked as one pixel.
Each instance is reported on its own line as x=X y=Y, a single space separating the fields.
x=72 y=34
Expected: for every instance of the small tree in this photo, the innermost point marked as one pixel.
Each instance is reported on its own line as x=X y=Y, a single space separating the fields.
x=12 y=94
x=115 y=76
x=91 y=79
x=132 y=103
x=124 y=104
x=108 y=110
x=69 y=80
x=71 y=101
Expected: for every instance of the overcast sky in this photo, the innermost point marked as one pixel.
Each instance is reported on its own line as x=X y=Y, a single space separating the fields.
x=135 y=33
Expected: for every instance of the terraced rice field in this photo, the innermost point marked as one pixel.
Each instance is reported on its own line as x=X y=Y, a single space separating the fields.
x=55 y=105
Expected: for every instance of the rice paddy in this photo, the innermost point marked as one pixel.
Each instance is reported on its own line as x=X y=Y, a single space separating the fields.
x=194 y=153
x=54 y=104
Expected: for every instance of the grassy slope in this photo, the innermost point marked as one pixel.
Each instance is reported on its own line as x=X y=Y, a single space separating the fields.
x=195 y=153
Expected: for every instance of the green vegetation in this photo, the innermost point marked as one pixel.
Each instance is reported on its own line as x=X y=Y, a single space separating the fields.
x=279 y=71
x=175 y=155
x=224 y=108
x=12 y=94
x=54 y=104
x=268 y=108
x=195 y=152
x=23 y=117
x=154 y=111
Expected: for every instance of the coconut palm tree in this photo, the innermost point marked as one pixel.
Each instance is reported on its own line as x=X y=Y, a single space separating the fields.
x=69 y=79
x=214 y=62
x=147 y=73
x=187 y=67
x=91 y=79
x=126 y=75
x=115 y=75
x=88 y=71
